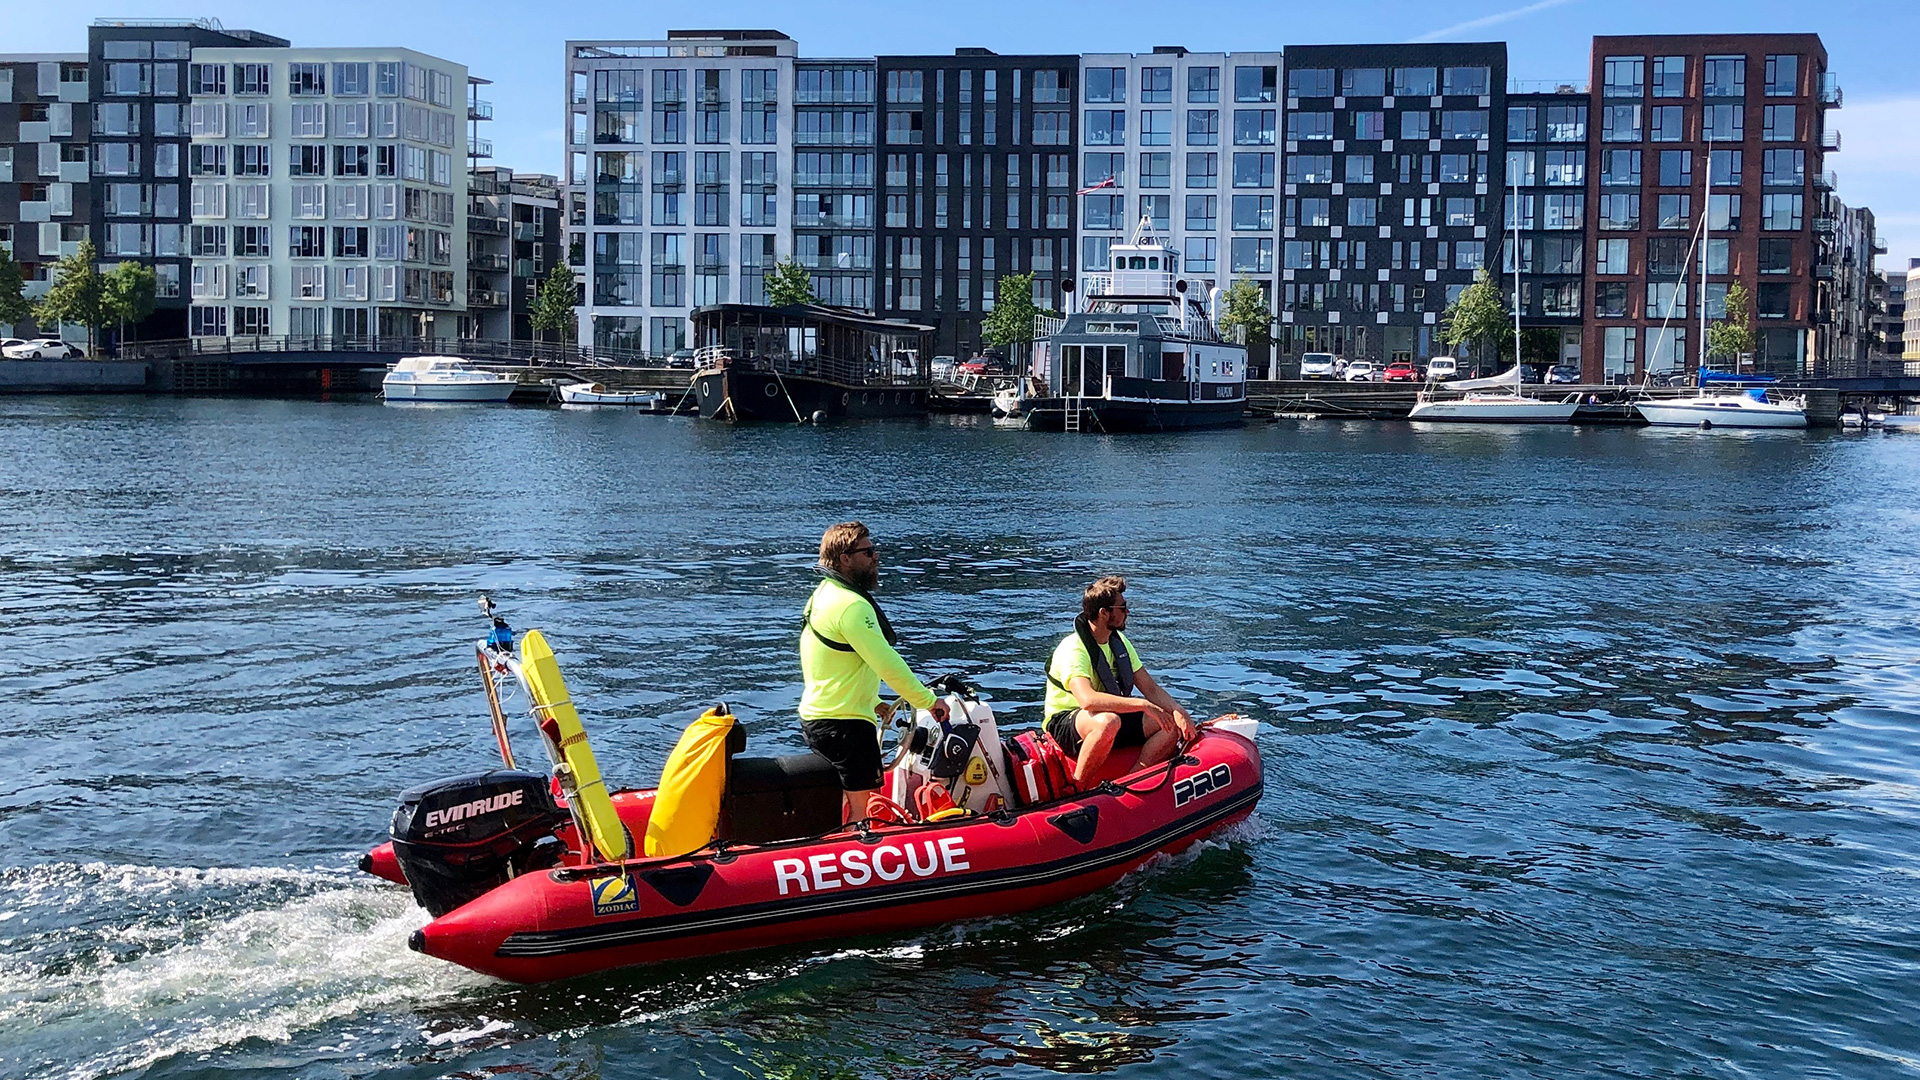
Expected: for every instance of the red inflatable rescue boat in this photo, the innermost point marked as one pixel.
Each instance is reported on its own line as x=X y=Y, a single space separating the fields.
x=532 y=878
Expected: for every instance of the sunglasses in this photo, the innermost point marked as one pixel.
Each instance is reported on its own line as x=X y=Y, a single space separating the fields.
x=868 y=550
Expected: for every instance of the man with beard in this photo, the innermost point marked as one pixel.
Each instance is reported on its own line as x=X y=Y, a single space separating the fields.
x=1091 y=707
x=846 y=650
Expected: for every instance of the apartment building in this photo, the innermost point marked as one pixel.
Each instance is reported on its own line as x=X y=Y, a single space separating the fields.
x=833 y=183
x=535 y=247
x=327 y=190
x=1893 y=314
x=1731 y=128
x=1188 y=143
x=679 y=162
x=140 y=88
x=1392 y=188
x=1849 y=293
x=978 y=183
x=1545 y=219
x=45 y=180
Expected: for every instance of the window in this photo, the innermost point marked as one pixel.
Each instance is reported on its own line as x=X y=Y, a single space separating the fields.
x=350 y=242
x=1416 y=124
x=207 y=79
x=253 y=242
x=1724 y=76
x=1668 y=255
x=1456 y=168
x=253 y=79
x=1460 y=212
x=1566 y=168
x=1669 y=76
x=251 y=120
x=309 y=121
x=308 y=201
x=1202 y=254
x=1463 y=124
x=350 y=80
x=1310 y=169
x=1252 y=170
x=1359 y=168
x=1310 y=212
x=1107 y=84
x=1774 y=300
x=1106 y=127
x=1098 y=167
x=1783 y=76
x=1610 y=299
x=207 y=159
x=1669 y=123
x=307 y=80
x=1620 y=210
x=1252 y=255
x=208 y=199
x=1369 y=124
x=207 y=120
x=1203 y=127
x=1203 y=170
x=206 y=321
x=1363 y=82
x=1779 y=123
x=1784 y=168
x=1203 y=213
x=1566 y=123
x=1723 y=213
x=351 y=120
x=1610 y=257
x=1780 y=212
x=1413 y=82
x=1255 y=212
x=906 y=86
x=1523 y=123
x=1620 y=123
x=1666 y=299
x=1624 y=77
x=1776 y=256
x=1310 y=82
x=1256 y=127
x=352 y=160
x=1676 y=212
x=1104 y=212
x=1254 y=84
x=307 y=241
x=1362 y=211
x=1566 y=211
x=307 y=161
x=1156 y=170
x=1156 y=127
x=1725 y=123
x=1676 y=168
x=1203 y=85
x=1156 y=84
x=1620 y=168
x=207 y=240
x=1467 y=81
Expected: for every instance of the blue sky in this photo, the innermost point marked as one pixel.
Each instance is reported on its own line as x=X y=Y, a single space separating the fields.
x=519 y=46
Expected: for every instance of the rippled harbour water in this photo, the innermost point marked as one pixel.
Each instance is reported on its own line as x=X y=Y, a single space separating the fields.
x=1590 y=752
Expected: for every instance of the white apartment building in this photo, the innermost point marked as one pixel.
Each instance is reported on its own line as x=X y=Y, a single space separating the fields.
x=328 y=190
x=1191 y=142
x=678 y=189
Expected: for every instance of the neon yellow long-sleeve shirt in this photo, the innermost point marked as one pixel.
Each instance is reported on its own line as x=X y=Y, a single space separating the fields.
x=846 y=685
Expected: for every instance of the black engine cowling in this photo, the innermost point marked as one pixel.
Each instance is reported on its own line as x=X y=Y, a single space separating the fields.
x=456 y=839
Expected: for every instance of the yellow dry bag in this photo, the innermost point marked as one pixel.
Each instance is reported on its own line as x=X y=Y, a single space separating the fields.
x=686 y=809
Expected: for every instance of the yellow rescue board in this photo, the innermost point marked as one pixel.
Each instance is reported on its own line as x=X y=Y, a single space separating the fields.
x=568 y=741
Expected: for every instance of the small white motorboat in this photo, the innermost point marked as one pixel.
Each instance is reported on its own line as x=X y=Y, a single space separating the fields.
x=1490 y=401
x=1749 y=408
x=444 y=378
x=583 y=393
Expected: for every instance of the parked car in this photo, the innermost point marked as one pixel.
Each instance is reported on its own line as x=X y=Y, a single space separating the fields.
x=8 y=343
x=1563 y=374
x=43 y=349
x=983 y=365
x=1529 y=373
x=1361 y=371
x=1401 y=371
x=1316 y=365
x=680 y=358
x=1442 y=368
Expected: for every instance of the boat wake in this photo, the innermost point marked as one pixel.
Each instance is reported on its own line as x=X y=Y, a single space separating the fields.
x=133 y=965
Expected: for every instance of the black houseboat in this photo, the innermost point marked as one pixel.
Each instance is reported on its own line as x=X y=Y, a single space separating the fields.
x=787 y=364
x=1142 y=356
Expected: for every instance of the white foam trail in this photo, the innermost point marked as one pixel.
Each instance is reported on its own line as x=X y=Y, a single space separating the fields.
x=336 y=952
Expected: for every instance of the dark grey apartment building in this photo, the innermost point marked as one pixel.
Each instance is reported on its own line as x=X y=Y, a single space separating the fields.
x=976 y=181
x=1392 y=192
x=142 y=126
x=1546 y=177
x=45 y=182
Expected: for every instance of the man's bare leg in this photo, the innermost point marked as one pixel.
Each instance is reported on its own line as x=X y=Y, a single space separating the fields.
x=1097 y=732
x=853 y=804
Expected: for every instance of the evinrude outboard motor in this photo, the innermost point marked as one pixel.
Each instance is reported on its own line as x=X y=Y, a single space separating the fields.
x=456 y=839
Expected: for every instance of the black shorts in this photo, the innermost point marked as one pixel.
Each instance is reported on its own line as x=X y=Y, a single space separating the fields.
x=851 y=746
x=1133 y=731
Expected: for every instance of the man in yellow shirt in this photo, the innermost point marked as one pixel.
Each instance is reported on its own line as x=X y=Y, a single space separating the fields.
x=1091 y=679
x=846 y=650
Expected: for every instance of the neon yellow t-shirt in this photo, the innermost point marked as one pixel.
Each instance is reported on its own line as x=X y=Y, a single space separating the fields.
x=1070 y=658
x=846 y=685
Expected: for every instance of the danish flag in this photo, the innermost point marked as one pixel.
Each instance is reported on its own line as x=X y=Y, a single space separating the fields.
x=1108 y=182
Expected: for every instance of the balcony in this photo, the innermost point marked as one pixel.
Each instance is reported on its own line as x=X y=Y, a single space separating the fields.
x=1830 y=94
x=486 y=298
x=525 y=230
x=1824 y=271
x=1826 y=181
x=1825 y=226
x=1830 y=141
x=480 y=148
x=478 y=109
x=491 y=261
x=492 y=225
x=1879 y=246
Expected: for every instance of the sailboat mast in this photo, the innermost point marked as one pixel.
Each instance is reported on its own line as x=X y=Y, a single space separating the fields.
x=1706 y=228
x=1514 y=188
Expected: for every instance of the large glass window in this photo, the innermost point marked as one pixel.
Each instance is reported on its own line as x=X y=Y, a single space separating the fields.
x=1413 y=81
x=1624 y=77
x=1669 y=124
x=1779 y=123
x=1106 y=84
x=1252 y=170
x=1363 y=82
x=1310 y=82
x=1254 y=83
x=1669 y=76
x=1468 y=81
x=1203 y=85
x=1725 y=123
x=1783 y=76
x=1107 y=127
x=1256 y=127
x=1724 y=76
x=1620 y=123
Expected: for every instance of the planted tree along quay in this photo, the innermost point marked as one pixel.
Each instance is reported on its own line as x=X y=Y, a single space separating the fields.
x=789 y=284
x=1014 y=313
x=1733 y=335
x=1479 y=314
x=553 y=306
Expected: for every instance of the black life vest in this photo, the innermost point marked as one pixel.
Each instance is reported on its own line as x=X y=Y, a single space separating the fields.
x=1115 y=678
x=806 y=617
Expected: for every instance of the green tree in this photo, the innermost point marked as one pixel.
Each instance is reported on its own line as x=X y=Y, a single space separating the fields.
x=1012 y=318
x=1733 y=335
x=1478 y=315
x=789 y=283
x=1245 y=308
x=128 y=294
x=14 y=306
x=554 y=304
x=78 y=294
